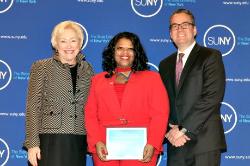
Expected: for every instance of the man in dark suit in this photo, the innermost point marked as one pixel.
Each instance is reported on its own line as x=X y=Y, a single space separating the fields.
x=195 y=79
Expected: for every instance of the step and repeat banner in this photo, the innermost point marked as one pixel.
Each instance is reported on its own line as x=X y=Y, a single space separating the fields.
x=25 y=31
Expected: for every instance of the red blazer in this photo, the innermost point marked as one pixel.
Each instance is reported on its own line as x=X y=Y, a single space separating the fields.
x=144 y=104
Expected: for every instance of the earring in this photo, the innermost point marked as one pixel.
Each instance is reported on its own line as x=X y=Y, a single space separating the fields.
x=56 y=52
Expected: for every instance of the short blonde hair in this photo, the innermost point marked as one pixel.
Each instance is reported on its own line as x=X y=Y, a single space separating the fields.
x=59 y=28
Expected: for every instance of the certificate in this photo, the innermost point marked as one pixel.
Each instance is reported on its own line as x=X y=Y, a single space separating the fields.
x=125 y=143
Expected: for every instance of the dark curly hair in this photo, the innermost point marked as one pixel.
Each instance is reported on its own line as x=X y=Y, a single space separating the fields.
x=108 y=60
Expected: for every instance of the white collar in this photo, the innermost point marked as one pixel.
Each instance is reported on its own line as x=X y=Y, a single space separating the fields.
x=186 y=53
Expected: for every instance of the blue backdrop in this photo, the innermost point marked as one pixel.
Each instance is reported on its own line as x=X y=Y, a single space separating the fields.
x=26 y=25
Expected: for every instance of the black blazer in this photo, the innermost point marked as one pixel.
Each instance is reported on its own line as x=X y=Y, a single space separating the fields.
x=195 y=103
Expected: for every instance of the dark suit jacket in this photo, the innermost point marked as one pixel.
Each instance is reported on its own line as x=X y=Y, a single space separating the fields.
x=195 y=103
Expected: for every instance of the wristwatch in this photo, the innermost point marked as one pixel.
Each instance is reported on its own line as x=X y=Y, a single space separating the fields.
x=182 y=129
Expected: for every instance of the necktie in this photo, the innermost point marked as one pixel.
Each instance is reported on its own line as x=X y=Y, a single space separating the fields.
x=178 y=68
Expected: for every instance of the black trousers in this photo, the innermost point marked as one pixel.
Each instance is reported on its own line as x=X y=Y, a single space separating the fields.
x=63 y=150
x=212 y=158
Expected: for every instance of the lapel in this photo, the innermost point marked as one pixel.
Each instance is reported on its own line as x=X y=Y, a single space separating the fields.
x=190 y=61
x=171 y=67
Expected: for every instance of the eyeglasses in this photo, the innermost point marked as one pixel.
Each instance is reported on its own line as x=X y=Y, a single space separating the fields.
x=123 y=49
x=184 y=25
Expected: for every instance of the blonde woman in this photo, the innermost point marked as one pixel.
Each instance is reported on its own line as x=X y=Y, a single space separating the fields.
x=58 y=88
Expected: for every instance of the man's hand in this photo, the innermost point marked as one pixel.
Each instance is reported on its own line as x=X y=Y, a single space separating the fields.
x=176 y=137
x=180 y=141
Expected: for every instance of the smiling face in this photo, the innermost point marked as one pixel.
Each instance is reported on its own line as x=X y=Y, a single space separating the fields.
x=183 y=38
x=124 y=53
x=68 y=46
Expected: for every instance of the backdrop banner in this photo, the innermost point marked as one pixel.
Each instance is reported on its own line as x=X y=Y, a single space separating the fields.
x=25 y=32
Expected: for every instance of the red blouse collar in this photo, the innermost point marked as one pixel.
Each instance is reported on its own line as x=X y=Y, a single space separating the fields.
x=122 y=69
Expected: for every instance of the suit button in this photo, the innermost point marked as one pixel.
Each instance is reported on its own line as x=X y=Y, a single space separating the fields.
x=71 y=116
x=123 y=121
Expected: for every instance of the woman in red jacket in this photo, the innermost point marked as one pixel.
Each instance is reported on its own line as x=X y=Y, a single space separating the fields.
x=126 y=95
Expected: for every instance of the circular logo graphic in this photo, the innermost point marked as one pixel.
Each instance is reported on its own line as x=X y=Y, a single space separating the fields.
x=154 y=66
x=86 y=36
x=5 y=75
x=156 y=69
x=146 y=8
x=159 y=160
x=4 y=152
x=228 y=117
x=220 y=37
x=5 y=5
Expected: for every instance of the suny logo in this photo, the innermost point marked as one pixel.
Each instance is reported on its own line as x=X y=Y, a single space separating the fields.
x=154 y=66
x=228 y=117
x=5 y=5
x=4 y=152
x=146 y=8
x=220 y=37
x=5 y=75
x=85 y=36
x=159 y=160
